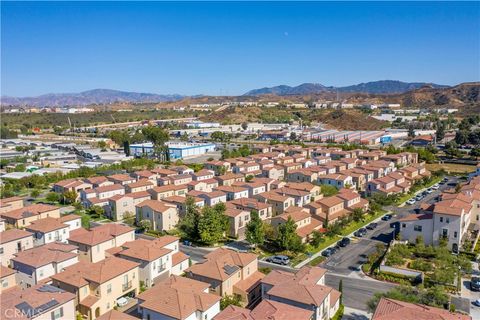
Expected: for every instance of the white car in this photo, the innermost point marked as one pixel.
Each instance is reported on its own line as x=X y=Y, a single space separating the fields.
x=411 y=201
x=121 y=302
x=429 y=190
x=435 y=186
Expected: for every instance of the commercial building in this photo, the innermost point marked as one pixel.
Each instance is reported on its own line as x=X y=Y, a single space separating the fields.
x=177 y=150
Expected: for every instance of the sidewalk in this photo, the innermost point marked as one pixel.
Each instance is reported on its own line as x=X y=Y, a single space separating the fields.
x=355 y=314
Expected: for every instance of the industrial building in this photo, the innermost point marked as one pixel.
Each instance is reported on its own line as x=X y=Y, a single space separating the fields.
x=177 y=150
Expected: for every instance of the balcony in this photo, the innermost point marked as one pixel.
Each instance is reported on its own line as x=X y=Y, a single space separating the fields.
x=126 y=286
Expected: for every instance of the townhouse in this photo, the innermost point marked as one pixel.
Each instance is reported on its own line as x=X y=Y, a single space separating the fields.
x=162 y=215
x=249 y=204
x=237 y=221
x=233 y=192
x=48 y=230
x=36 y=265
x=448 y=219
x=179 y=298
x=122 y=179
x=8 y=278
x=139 y=186
x=313 y=190
x=10 y=204
x=203 y=174
x=176 y=180
x=332 y=209
x=210 y=198
x=391 y=309
x=75 y=185
x=100 y=195
x=304 y=221
x=266 y=309
x=157 y=258
x=304 y=289
x=276 y=172
x=181 y=203
x=218 y=167
x=230 y=272
x=229 y=179
x=247 y=169
x=300 y=197
x=146 y=174
x=20 y=218
x=92 y=243
x=37 y=303
x=13 y=241
x=121 y=206
x=253 y=188
x=97 y=286
x=98 y=181
x=158 y=193
x=337 y=180
x=278 y=202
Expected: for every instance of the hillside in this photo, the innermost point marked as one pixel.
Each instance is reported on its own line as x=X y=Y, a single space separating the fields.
x=374 y=87
x=335 y=119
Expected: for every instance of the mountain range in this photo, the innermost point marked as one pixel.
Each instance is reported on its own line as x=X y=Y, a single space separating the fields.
x=374 y=87
x=107 y=96
x=96 y=96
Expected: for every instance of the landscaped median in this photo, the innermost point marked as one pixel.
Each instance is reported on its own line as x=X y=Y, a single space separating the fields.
x=313 y=253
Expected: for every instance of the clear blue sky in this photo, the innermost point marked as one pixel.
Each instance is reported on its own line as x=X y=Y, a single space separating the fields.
x=230 y=47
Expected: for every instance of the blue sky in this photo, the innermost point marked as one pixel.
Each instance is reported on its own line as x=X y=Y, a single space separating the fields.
x=231 y=47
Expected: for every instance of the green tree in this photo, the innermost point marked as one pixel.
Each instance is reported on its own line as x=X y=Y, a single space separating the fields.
x=440 y=133
x=212 y=224
x=317 y=238
x=244 y=126
x=35 y=193
x=158 y=137
x=102 y=144
x=357 y=214
x=184 y=137
x=189 y=223
x=145 y=224
x=95 y=212
x=227 y=300
x=255 y=230
x=70 y=196
x=287 y=238
x=411 y=131
x=52 y=197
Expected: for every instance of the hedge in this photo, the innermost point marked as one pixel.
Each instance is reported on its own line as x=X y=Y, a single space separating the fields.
x=339 y=314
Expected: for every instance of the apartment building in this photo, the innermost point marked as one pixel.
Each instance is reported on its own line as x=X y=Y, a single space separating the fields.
x=249 y=204
x=97 y=286
x=13 y=241
x=98 y=181
x=337 y=180
x=279 y=202
x=229 y=178
x=203 y=174
x=139 y=186
x=218 y=167
x=161 y=192
x=76 y=185
x=233 y=192
x=210 y=198
x=237 y=221
x=122 y=179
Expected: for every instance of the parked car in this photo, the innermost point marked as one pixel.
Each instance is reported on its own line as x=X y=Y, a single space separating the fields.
x=476 y=303
x=360 y=232
x=435 y=186
x=344 y=242
x=122 y=301
x=411 y=201
x=372 y=226
x=475 y=284
x=418 y=197
x=429 y=190
x=327 y=252
x=387 y=217
x=283 y=260
x=357 y=267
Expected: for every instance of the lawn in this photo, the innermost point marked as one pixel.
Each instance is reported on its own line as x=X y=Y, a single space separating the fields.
x=359 y=224
x=451 y=168
x=412 y=192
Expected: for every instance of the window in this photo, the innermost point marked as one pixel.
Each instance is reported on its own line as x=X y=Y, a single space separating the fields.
x=109 y=288
x=441 y=219
x=98 y=248
x=57 y=314
x=1 y=248
x=4 y=283
x=108 y=305
x=84 y=290
x=40 y=273
x=417 y=228
x=448 y=220
x=455 y=234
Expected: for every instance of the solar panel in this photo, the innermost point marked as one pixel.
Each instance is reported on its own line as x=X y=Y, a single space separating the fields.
x=230 y=269
x=31 y=312
x=49 y=288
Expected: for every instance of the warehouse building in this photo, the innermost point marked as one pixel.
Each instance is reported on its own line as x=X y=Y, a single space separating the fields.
x=177 y=150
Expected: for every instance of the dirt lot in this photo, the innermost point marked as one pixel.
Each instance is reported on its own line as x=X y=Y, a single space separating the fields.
x=451 y=167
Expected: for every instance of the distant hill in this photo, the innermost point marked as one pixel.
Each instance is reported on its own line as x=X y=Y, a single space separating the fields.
x=96 y=96
x=375 y=87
